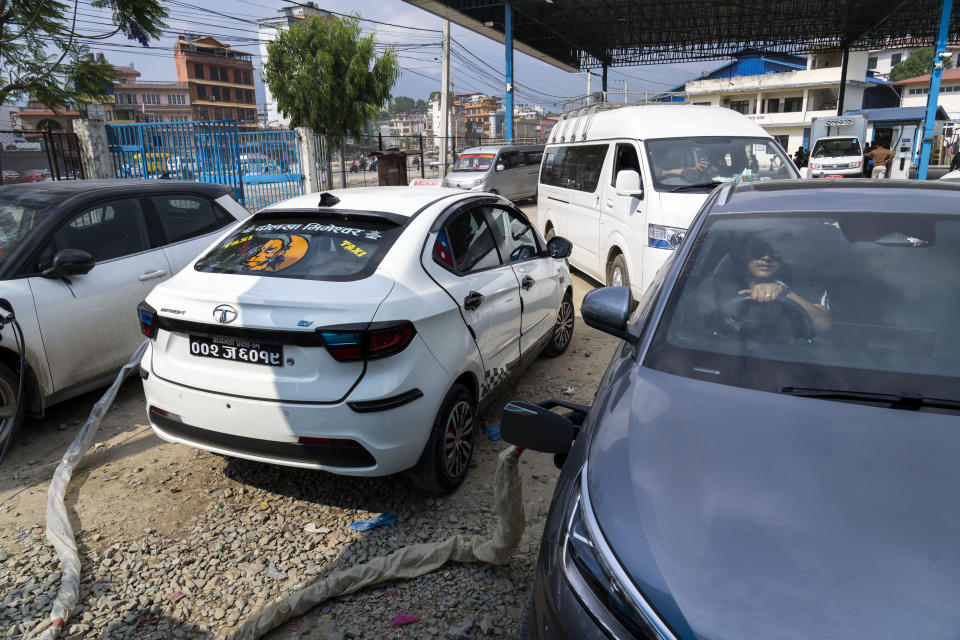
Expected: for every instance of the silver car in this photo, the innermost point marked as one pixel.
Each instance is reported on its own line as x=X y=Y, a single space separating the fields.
x=511 y=170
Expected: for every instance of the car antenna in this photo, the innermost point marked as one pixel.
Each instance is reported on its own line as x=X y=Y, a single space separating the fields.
x=328 y=199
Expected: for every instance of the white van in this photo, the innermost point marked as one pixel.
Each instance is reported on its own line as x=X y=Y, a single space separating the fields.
x=623 y=184
x=837 y=157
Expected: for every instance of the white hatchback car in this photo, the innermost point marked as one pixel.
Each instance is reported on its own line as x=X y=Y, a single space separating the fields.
x=355 y=331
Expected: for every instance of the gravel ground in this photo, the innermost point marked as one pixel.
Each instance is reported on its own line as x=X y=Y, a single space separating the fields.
x=179 y=543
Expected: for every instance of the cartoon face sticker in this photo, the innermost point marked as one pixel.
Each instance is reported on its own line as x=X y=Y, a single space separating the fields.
x=278 y=253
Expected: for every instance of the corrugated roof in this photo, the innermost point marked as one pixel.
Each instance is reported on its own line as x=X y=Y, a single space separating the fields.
x=948 y=75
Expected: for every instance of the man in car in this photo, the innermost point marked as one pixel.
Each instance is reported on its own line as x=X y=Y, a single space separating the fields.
x=673 y=164
x=758 y=271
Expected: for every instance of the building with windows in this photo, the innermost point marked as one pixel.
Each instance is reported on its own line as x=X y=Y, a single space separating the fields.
x=136 y=100
x=267 y=31
x=915 y=92
x=219 y=80
x=882 y=61
x=479 y=112
x=37 y=116
x=783 y=93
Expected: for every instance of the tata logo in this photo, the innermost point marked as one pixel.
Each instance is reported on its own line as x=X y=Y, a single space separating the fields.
x=224 y=313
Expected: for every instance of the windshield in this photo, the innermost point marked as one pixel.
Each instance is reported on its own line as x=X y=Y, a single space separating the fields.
x=837 y=148
x=333 y=247
x=17 y=219
x=474 y=162
x=850 y=301
x=681 y=164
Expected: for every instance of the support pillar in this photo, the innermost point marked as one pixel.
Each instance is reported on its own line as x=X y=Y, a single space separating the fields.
x=308 y=160
x=604 y=81
x=508 y=42
x=933 y=94
x=95 y=154
x=843 y=79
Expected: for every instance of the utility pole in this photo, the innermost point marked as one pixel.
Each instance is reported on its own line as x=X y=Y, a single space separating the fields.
x=625 y=93
x=589 y=95
x=445 y=99
x=508 y=42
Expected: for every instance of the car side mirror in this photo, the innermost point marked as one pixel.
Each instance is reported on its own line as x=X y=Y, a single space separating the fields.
x=535 y=428
x=608 y=310
x=805 y=172
x=501 y=167
x=559 y=247
x=628 y=184
x=69 y=262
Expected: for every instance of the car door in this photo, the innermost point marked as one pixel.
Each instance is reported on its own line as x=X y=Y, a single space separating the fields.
x=623 y=218
x=188 y=223
x=531 y=172
x=89 y=322
x=465 y=260
x=507 y=176
x=536 y=272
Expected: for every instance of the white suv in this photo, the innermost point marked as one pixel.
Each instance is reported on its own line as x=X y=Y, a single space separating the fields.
x=355 y=331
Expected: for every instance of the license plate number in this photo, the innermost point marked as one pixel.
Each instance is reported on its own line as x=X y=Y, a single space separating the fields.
x=834 y=175
x=237 y=350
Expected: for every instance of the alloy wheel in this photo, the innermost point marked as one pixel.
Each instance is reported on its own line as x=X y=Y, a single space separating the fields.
x=563 y=329
x=8 y=410
x=458 y=440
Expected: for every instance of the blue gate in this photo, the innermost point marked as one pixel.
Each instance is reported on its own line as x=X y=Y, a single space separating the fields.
x=270 y=166
x=201 y=151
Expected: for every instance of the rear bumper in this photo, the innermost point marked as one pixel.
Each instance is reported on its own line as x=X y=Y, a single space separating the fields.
x=390 y=439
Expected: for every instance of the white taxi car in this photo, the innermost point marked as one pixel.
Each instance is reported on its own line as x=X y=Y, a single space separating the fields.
x=355 y=331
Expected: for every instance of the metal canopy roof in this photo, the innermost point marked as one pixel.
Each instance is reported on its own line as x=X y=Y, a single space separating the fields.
x=576 y=34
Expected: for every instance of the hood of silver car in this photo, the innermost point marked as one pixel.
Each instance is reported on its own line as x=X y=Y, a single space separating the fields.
x=746 y=514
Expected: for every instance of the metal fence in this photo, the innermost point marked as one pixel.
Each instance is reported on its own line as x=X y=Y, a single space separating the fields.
x=37 y=156
x=270 y=167
x=352 y=166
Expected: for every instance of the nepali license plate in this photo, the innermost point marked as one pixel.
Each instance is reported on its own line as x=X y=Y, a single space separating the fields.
x=237 y=350
x=834 y=175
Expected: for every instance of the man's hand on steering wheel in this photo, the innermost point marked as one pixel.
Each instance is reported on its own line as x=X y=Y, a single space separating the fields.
x=763 y=291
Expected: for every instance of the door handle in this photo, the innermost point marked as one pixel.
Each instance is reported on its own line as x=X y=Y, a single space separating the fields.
x=527 y=282
x=472 y=301
x=150 y=275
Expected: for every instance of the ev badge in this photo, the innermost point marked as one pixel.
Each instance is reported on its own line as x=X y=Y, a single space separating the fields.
x=224 y=313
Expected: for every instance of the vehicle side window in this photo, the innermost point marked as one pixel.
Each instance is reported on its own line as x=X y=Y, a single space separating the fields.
x=183 y=217
x=532 y=157
x=107 y=231
x=517 y=233
x=508 y=160
x=471 y=242
x=574 y=167
x=624 y=159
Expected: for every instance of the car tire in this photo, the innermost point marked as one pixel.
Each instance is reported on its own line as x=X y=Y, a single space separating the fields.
x=446 y=459
x=526 y=620
x=550 y=233
x=562 y=329
x=11 y=414
x=617 y=275
x=533 y=199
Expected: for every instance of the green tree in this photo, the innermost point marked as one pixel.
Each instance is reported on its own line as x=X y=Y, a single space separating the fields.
x=918 y=63
x=325 y=74
x=421 y=106
x=44 y=53
x=402 y=104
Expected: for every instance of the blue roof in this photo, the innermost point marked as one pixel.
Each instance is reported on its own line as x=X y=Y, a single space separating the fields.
x=897 y=114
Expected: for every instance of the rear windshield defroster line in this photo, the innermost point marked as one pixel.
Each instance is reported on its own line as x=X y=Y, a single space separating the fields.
x=331 y=246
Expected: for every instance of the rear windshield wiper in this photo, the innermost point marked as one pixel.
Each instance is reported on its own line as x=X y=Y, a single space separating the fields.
x=906 y=401
x=698 y=185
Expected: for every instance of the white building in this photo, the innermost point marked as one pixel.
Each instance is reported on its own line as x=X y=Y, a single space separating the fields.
x=783 y=93
x=915 y=92
x=882 y=61
x=268 y=28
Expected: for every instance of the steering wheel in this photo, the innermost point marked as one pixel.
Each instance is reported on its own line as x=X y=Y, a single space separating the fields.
x=781 y=320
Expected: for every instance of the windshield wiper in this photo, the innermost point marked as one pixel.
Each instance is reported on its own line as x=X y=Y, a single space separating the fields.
x=698 y=185
x=905 y=401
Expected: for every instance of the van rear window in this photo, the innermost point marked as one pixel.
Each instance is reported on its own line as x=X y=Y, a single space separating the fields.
x=330 y=247
x=573 y=167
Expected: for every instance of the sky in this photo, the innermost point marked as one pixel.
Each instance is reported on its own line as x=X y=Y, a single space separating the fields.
x=477 y=62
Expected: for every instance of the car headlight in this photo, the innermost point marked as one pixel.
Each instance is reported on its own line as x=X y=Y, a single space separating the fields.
x=854 y=165
x=598 y=580
x=814 y=165
x=663 y=237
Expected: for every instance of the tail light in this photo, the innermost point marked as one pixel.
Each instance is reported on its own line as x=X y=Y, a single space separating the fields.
x=378 y=341
x=148 y=320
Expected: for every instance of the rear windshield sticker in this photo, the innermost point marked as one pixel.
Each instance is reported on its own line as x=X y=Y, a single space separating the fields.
x=315 y=227
x=352 y=248
x=278 y=253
